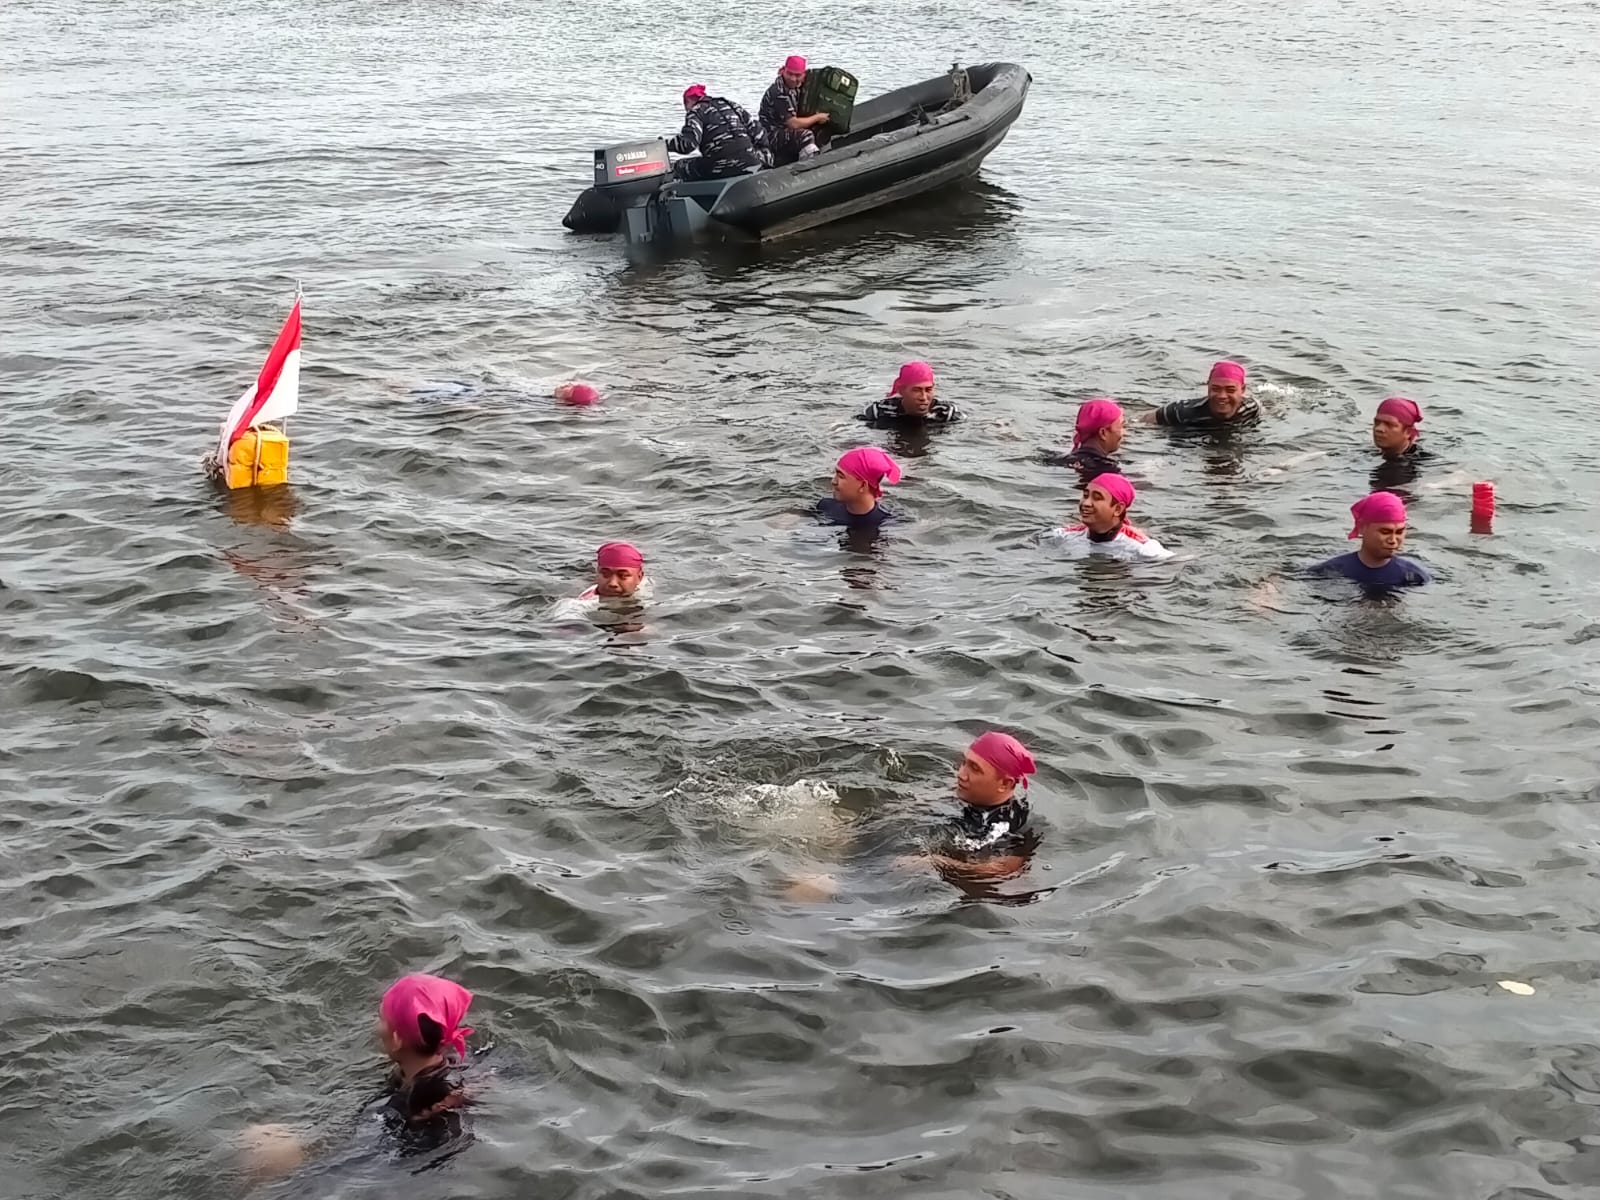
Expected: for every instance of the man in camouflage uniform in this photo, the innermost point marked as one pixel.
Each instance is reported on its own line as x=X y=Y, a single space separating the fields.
x=729 y=142
x=788 y=133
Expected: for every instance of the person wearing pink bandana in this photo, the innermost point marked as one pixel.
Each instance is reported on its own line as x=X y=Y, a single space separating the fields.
x=619 y=578
x=911 y=401
x=1380 y=523
x=1103 y=527
x=1096 y=435
x=989 y=838
x=1226 y=404
x=789 y=135
x=858 y=481
x=419 y=1027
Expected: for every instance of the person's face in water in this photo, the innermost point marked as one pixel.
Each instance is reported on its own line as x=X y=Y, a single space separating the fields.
x=1389 y=436
x=1111 y=436
x=617 y=581
x=978 y=782
x=387 y=1039
x=917 y=400
x=1098 y=511
x=1382 y=540
x=1225 y=397
x=849 y=490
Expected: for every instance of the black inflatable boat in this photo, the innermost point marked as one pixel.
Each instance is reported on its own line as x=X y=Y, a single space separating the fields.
x=900 y=144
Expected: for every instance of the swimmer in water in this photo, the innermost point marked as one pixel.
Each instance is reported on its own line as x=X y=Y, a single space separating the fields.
x=1103 y=527
x=419 y=1028
x=857 y=487
x=618 y=577
x=1226 y=404
x=1394 y=433
x=911 y=401
x=989 y=839
x=1380 y=523
x=1096 y=436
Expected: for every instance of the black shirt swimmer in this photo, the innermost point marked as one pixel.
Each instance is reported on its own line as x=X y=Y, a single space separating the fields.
x=1225 y=405
x=1394 y=433
x=1096 y=436
x=419 y=1028
x=857 y=486
x=989 y=839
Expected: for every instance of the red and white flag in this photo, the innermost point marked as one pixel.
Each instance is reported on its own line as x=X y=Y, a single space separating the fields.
x=276 y=392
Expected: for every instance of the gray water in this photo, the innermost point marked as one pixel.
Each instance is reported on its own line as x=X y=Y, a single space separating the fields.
x=260 y=755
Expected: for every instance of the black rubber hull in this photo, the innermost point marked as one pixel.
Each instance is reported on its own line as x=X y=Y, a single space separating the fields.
x=891 y=154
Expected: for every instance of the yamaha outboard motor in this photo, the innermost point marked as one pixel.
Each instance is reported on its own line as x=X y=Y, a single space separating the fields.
x=624 y=175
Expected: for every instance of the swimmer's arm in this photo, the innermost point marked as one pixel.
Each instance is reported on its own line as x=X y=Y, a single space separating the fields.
x=1294 y=460
x=455 y=1099
x=999 y=866
x=1153 y=417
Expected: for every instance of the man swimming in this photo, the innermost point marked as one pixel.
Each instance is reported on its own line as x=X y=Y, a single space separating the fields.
x=1103 y=525
x=911 y=401
x=1097 y=434
x=1225 y=405
x=619 y=577
x=857 y=487
x=1380 y=523
x=989 y=838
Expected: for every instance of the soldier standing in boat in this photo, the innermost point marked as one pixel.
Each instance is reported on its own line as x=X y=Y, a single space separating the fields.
x=729 y=141
x=789 y=134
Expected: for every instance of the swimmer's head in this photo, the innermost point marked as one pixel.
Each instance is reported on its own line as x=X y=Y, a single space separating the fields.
x=1380 y=523
x=1225 y=391
x=1394 y=427
x=420 y=1016
x=1099 y=424
x=578 y=394
x=991 y=768
x=618 y=570
x=1105 y=503
x=914 y=386
x=866 y=466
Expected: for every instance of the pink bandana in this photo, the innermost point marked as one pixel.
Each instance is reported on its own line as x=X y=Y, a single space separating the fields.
x=1226 y=372
x=618 y=556
x=871 y=466
x=1402 y=410
x=1093 y=416
x=913 y=374
x=1005 y=754
x=1115 y=486
x=441 y=1001
x=1380 y=508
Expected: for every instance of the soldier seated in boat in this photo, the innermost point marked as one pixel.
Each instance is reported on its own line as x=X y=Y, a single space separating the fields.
x=788 y=133
x=729 y=141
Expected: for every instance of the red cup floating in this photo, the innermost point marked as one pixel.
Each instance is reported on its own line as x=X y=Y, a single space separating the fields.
x=1482 y=507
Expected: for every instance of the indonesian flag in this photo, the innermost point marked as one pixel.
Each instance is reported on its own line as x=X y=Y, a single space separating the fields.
x=276 y=392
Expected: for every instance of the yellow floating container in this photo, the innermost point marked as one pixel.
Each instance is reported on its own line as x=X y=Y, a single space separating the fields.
x=259 y=458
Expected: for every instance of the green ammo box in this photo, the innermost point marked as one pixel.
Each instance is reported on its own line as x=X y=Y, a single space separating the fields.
x=830 y=90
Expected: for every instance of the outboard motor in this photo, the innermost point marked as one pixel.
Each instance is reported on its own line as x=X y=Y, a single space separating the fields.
x=634 y=191
x=625 y=175
x=631 y=169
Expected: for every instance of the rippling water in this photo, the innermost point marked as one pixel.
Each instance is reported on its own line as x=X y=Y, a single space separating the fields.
x=262 y=754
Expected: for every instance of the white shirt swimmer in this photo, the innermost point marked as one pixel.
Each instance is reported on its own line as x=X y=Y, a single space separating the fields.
x=1103 y=527
x=619 y=580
